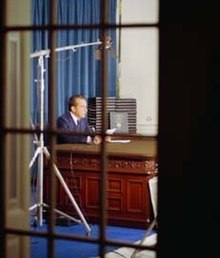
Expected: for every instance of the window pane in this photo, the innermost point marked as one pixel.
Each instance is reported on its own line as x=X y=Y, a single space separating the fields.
x=140 y=11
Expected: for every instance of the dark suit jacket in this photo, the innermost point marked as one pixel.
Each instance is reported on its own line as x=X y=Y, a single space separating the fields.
x=66 y=122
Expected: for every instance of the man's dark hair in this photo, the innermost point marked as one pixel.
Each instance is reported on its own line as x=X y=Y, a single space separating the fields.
x=73 y=100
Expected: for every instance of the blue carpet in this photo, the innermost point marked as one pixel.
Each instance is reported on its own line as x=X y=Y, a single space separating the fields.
x=73 y=249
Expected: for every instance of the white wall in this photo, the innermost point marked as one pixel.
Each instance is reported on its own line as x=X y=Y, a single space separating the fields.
x=139 y=62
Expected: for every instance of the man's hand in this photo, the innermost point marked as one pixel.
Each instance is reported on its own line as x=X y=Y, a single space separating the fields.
x=98 y=139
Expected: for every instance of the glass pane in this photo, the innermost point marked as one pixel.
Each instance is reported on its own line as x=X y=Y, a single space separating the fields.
x=139 y=75
x=18 y=13
x=140 y=11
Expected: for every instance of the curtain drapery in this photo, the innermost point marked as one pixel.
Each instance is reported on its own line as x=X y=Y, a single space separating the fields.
x=78 y=71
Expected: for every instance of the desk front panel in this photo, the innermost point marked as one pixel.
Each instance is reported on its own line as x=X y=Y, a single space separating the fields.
x=127 y=192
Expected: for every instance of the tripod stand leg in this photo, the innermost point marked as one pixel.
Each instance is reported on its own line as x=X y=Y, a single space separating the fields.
x=40 y=187
x=153 y=223
x=75 y=205
x=39 y=206
x=34 y=157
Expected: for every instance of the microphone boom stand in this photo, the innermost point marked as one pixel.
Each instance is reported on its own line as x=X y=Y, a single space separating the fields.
x=41 y=150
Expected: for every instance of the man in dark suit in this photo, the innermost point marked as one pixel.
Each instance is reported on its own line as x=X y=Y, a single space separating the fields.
x=75 y=121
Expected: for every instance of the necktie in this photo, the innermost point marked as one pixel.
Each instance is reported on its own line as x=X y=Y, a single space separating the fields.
x=78 y=125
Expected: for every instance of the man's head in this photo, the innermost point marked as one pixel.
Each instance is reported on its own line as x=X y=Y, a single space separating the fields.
x=78 y=106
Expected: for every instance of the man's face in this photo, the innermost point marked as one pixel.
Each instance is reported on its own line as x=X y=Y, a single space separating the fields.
x=80 y=109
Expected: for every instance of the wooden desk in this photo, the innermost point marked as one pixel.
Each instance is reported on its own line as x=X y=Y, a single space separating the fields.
x=129 y=167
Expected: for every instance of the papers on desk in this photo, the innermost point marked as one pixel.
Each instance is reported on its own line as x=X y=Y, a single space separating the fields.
x=111 y=132
x=119 y=141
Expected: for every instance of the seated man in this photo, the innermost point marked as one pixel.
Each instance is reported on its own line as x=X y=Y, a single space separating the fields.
x=74 y=120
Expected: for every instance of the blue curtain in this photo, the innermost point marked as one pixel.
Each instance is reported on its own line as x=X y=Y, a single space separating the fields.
x=78 y=72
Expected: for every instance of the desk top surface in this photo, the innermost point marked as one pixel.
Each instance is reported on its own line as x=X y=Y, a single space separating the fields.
x=135 y=148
